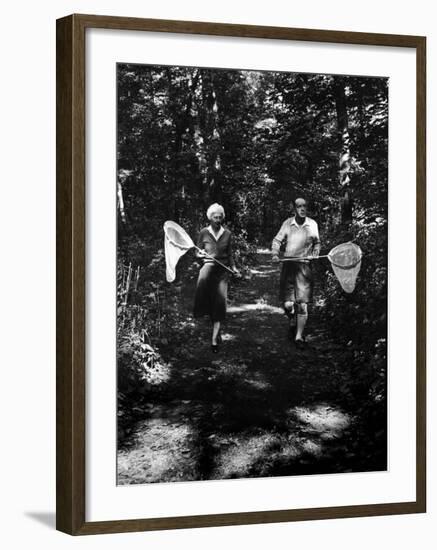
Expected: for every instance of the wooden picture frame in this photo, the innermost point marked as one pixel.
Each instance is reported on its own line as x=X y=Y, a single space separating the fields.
x=71 y=252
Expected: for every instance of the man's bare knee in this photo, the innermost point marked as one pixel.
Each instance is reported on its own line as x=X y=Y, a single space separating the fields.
x=302 y=309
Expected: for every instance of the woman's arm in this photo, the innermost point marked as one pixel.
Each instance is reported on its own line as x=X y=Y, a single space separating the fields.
x=200 y=245
x=231 y=260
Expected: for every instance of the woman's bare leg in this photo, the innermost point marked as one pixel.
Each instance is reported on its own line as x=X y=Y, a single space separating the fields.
x=215 y=332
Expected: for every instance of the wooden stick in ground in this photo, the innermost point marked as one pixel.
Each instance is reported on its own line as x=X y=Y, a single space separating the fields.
x=128 y=281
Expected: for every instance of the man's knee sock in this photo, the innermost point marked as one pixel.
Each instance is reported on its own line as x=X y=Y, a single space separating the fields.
x=301 y=322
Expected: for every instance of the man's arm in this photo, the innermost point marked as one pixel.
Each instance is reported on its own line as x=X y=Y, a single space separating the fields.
x=278 y=240
x=316 y=241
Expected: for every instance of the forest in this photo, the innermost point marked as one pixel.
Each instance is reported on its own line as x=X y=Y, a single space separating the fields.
x=252 y=141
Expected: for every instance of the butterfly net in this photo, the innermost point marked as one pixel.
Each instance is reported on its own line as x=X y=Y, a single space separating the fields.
x=346 y=263
x=176 y=243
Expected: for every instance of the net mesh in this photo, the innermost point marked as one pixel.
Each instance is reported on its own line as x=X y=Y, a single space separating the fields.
x=176 y=243
x=346 y=263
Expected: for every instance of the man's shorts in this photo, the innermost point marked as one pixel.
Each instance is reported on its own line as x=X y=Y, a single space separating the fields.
x=296 y=282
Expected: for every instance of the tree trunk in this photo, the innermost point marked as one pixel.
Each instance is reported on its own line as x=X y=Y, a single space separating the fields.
x=214 y=188
x=182 y=123
x=346 y=204
x=199 y=141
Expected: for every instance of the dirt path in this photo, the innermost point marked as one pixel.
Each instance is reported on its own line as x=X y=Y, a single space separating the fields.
x=257 y=408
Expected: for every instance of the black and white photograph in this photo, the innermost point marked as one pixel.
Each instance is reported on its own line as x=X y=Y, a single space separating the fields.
x=252 y=268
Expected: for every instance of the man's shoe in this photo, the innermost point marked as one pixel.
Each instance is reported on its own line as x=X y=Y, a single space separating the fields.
x=300 y=343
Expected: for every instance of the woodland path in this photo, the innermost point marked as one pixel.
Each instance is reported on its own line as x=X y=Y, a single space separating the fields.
x=258 y=408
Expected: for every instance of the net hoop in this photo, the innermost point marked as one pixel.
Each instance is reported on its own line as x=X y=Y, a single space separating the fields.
x=177 y=242
x=340 y=248
x=345 y=261
x=184 y=242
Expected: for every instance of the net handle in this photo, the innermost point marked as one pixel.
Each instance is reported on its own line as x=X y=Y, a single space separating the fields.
x=215 y=259
x=296 y=258
x=318 y=257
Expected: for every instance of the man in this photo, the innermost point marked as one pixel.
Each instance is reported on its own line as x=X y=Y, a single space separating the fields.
x=301 y=235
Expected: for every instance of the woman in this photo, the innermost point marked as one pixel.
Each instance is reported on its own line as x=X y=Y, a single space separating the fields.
x=212 y=283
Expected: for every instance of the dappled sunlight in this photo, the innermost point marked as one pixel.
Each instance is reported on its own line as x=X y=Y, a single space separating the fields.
x=322 y=419
x=240 y=372
x=243 y=308
x=227 y=337
x=242 y=455
x=243 y=412
x=171 y=446
x=264 y=272
x=239 y=453
x=312 y=448
x=290 y=450
x=224 y=368
x=307 y=437
x=163 y=450
x=258 y=383
x=159 y=374
x=188 y=323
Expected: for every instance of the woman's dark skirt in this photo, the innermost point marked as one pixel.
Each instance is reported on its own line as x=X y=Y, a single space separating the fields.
x=211 y=292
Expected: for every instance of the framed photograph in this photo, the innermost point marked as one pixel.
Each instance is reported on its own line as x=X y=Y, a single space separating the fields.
x=240 y=274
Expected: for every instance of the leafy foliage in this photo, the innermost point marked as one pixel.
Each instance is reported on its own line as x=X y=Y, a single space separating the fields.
x=253 y=141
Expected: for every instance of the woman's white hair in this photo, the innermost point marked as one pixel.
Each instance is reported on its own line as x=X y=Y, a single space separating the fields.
x=215 y=209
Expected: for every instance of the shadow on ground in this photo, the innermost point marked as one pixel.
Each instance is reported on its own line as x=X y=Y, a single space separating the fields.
x=258 y=408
